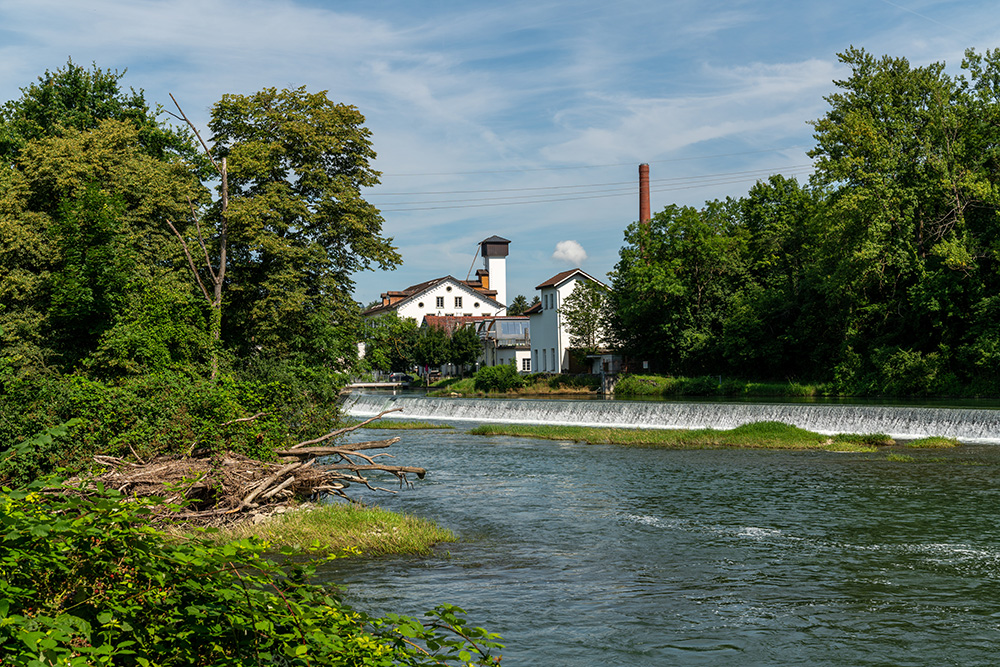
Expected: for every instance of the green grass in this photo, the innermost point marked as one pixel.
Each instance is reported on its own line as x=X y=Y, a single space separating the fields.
x=846 y=446
x=933 y=443
x=343 y=527
x=758 y=435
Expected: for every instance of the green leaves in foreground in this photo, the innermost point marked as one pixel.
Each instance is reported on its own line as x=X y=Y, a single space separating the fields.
x=86 y=581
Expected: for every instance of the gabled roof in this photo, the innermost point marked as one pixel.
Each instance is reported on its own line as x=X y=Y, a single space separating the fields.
x=560 y=278
x=414 y=291
x=535 y=309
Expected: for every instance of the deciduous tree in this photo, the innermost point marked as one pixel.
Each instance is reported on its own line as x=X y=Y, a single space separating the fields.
x=298 y=227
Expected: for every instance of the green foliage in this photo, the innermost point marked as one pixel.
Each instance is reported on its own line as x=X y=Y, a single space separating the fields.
x=297 y=226
x=518 y=305
x=670 y=286
x=880 y=276
x=498 y=379
x=165 y=413
x=432 y=348
x=87 y=581
x=585 y=313
x=707 y=385
x=465 y=347
x=75 y=98
x=758 y=435
x=389 y=342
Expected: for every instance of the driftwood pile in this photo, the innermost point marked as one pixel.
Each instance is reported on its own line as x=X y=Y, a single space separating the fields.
x=216 y=488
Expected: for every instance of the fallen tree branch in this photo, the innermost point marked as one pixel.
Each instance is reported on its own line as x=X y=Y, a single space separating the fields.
x=342 y=431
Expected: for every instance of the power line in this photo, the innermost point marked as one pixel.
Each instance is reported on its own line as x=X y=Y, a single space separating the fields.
x=572 y=187
x=691 y=183
x=591 y=166
x=601 y=192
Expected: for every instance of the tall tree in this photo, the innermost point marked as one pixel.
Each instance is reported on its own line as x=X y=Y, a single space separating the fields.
x=389 y=342
x=465 y=347
x=671 y=287
x=903 y=149
x=75 y=98
x=83 y=225
x=518 y=305
x=585 y=314
x=298 y=227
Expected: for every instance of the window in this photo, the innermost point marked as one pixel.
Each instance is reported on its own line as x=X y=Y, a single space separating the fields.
x=458 y=302
x=555 y=362
x=526 y=364
x=475 y=305
x=439 y=302
x=420 y=305
x=545 y=364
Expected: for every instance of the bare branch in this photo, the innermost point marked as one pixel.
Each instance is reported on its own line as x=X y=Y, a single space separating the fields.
x=194 y=129
x=201 y=242
x=341 y=431
x=344 y=449
x=187 y=254
x=244 y=419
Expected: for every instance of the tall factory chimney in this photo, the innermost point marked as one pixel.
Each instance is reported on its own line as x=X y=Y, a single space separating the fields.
x=644 y=215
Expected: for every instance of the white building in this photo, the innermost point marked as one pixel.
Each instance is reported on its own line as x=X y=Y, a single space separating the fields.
x=506 y=340
x=448 y=296
x=550 y=340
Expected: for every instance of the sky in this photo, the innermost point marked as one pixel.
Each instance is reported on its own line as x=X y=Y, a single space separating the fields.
x=524 y=119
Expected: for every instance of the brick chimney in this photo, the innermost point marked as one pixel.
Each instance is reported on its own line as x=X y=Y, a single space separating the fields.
x=644 y=215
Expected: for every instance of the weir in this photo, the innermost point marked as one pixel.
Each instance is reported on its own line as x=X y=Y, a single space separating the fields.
x=966 y=425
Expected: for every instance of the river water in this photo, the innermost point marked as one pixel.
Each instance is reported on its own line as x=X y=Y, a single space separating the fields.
x=586 y=555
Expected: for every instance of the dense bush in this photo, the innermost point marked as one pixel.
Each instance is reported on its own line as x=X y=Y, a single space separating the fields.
x=498 y=379
x=164 y=413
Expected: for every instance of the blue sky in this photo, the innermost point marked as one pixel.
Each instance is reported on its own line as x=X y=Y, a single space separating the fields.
x=523 y=119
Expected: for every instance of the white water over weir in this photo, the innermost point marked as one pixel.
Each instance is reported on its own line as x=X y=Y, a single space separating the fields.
x=966 y=425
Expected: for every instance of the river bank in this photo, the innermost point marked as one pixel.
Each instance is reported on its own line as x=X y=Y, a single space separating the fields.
x=341 y=529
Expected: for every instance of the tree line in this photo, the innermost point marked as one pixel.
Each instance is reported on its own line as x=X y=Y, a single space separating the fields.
x=158 y=285
x=879 y=275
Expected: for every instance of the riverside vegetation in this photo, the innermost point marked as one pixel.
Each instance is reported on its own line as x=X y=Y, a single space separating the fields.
x=757 y=435
x=118 y=345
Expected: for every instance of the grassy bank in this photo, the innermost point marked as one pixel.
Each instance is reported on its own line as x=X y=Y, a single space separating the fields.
x=658 y=385
x=335 y=528
x=759 y=435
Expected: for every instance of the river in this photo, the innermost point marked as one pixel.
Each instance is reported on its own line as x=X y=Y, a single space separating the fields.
x=586 y=555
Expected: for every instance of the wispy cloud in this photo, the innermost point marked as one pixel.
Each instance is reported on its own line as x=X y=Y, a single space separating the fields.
x=509 y=97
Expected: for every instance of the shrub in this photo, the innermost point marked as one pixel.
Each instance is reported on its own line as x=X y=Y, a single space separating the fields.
x=498 y=379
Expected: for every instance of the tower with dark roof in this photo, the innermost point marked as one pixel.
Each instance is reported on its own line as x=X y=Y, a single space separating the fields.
x=494 y=251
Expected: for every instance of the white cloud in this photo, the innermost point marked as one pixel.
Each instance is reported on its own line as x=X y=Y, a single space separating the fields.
x=570 y=252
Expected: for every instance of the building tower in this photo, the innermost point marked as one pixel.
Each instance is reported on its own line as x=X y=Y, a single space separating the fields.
x=494 y=252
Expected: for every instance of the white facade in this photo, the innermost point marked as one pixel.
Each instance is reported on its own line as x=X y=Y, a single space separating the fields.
x=550 y=340
x=448 y=297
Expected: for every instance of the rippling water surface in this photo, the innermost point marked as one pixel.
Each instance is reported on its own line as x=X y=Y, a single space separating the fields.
x=601 y=555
